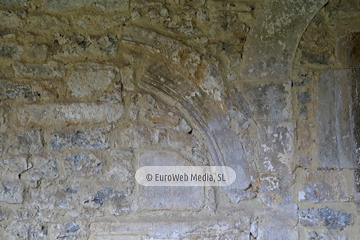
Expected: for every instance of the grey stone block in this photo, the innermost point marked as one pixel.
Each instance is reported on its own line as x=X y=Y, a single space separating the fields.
x=81 y=165
x=316 y=217
x=63 y=114
x=303 y=97
x=169 y=198
x=10 y=20
x=89 y=138
x=276 y=146
x=326 y=186
x=9 y=50
x=335 y=118
x=269 y=101
x=11 y=192
x=28 y=142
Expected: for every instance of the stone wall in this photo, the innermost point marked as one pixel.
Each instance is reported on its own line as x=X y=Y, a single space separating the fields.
x=91 y=90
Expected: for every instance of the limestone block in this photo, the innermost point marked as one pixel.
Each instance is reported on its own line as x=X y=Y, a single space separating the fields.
x=87 y=138
x=11 y=192
x=63 y=114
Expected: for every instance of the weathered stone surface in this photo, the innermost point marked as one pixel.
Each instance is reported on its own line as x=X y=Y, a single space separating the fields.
x=88 y=79
x=190 y=83
x=43 y=23
x=37 y=52
x=42 y=168
x=88 y=138
x=11 y=168
x=233 y=157
x=46 y=70
x=334 y=118
x=152 y=198
x=28 y=142
x=315 y=217
x=62 y=5
x=274 y=37
x=276 y=146
x=93 y=23
x=213 y=228
x=4 y=214
x=76 y=113
x=81 y=47
x=54 y=197
x=83 y=165
x=2 y=143
x=353 y=56
x=309 y=233
x=9 y=50
x=105 y=5
x=23 y=92
x=321 y=58
x=11 y=192
x=109 y=5
x=14 y=3
x=173 y=50
x=325 y=186
x=212 y=83
x=127 y=78
x=303 y=97
x=25 y=230
x=120 y=167
x=269 y=100
x=9 y=20
x=355 y=113
x=110 y=200
x=70 y=229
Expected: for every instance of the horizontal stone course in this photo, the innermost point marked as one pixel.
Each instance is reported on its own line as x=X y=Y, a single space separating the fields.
x=66 y=5
x=212 y=228
x=65 y=114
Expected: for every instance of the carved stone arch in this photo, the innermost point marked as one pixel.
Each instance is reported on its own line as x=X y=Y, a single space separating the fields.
x=326 y=80
x=203 y=113
x=274 y=37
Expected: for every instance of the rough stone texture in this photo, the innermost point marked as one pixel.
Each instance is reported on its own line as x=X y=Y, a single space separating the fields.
x=326 y=186
x=120 y=168
x=28 y=142
x=10 y=50
x=325 y=216
x=152 y=198
x=11 y=192
x=48 y=115
x=336 y=143
x=173 y=50
x=276 y=146
x=83 y=165
x=220 y=229
x=81 y=47
x=109 y=5
x=43 y=23
x=14 y=3
x=23 y=92
x=274 y=37
x=46 y=70
x=90 y=78
x=2 y=144
x=44 y=169
x=269 y=101
x=11 y=168
x=10 y=20
x=91 y=90
x=89 y=138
